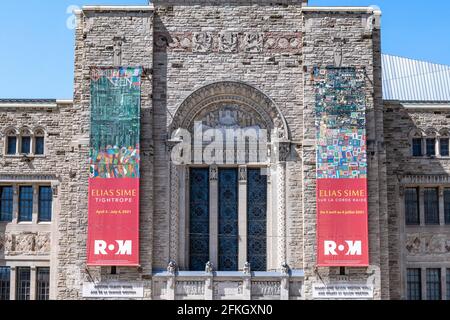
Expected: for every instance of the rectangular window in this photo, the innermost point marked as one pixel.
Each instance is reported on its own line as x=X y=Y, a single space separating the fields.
x=417 y=147
x=4 y=283
x=25 y=203
x=257 y=219
x=6 y=203
x=228 y=220
x=23 y=283
x=431 y=205
x=412 y=206
x=447 y=205
x=39 y=148
x=198 y=219
x=45 y=203
x=26 y=145
x=444 y=150
x=431 y=147
x=12 y=145
x=448 y=284
x=414 y=284
x=434 y=284
x=43 y=284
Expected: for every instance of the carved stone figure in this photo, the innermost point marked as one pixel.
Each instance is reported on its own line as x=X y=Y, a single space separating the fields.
x=285 y=268
x=253 y=42
x=202 y=42
x=209 y=267
x=172 y=267
x=247 y=268
x=228 y=42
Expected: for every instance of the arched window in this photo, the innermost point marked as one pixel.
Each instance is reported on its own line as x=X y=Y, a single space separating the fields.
x=430 y=142
x=39 y=142
x=25 y=141
x=416 y=138
x=11 y=142
x=444 y=143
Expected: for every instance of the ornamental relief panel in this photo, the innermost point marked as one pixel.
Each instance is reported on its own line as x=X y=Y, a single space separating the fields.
x=27 y=243
x=229 y=42
x=190 y=288
x=423 y=244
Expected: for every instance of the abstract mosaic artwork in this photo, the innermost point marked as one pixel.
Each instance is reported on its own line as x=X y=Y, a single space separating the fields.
x=340 y=123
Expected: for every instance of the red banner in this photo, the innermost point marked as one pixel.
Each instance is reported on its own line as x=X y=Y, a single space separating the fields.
x=113 y=217
x=342 y=221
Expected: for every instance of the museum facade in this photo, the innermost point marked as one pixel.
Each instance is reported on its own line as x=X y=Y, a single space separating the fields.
x=120 y=166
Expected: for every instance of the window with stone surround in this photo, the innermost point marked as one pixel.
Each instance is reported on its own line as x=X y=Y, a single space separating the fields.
x=43 y=283
x=6 y=203
x=5 y=275
x=412 y=206
x=23 y=283
x=447 y=205
x=25 y=142
x=39 y=142
x=431 y=147
x=11 y=142
x=45 y=203
x=25 y=203
x=221 y=226
x=414 y=284
x=444 y=147
x=434 y=284
x=417 y=147
x=431 y=205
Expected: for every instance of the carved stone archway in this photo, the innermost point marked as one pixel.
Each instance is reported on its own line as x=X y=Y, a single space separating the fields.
x=250 y=107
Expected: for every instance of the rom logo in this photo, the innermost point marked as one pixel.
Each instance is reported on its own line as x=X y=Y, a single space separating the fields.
x=120 y=247
x=351 y=248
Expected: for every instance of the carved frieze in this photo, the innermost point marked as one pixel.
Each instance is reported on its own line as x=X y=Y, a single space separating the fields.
x=202 y=42
x=228 y=42
x=253 y=42
x=28 y=243
x=266 y=288
x=425 y=244
x=190 y=288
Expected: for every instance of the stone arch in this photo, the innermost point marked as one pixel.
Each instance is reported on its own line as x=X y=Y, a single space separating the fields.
x=10 y=131
x=240 y=93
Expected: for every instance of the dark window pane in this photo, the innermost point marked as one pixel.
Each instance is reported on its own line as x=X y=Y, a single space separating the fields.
x=39 y=149
x=23 y=283
x=433 y=284
x=12 y=145
x=45 y=204
x=414 y=284
x=448 y=284
x=431 y=205
x=417 y=147
x=431 y=147
x=447 y=205
x=6 y=203
x=43 y=284
x=199 y=219
x=4 y=283
x=257 y=219
x=411 y=206
x=26 y=144
x=25 y=203
x=444 y=147
x=228 y=220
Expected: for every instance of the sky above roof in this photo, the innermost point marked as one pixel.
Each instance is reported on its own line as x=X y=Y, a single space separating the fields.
x=37 y=55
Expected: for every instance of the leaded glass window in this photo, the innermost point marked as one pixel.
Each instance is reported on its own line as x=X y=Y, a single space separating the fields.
x=434 y=284
x=43 y=283
x=431 y=205
x=39 y=147
x=25 y=203
x=417 y=147
x=228 y=220
x=4 y=283
x=414 y=284
x=412 y=206
x=199 y=218
x=23 y=283
x=431 y=147
x=45 y=203
x=256 y=219
x=26 y=145
x=12 y=145
x=6 y=203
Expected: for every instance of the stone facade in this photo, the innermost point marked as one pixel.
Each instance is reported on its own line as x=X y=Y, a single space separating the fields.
x=197 y=57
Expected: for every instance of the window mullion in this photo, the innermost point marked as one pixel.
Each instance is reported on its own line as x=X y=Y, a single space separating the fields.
x=213 y=216
x=242 y=212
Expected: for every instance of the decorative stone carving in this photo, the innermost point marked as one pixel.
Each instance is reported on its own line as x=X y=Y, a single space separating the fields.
x=228 y=42
x=413 y=244
x=285 y=268
x=202 y=42
x=242 y=173
x=25 y=243
x=283 y=150
x=209 y=268
x=228 y=289
x=247 y=268
x=42 y=244
x=172 y=267
x=253 y=42
x=281 y=207
x=2 y=241
x=266 y=288
x=190 y=288
x=118 y=42
x=174 y=212
x=213 y=173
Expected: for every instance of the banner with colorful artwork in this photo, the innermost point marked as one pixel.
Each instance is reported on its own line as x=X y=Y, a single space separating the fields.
x=113 y=226
x=341 y=192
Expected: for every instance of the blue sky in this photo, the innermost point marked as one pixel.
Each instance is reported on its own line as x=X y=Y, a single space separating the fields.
x=37 y=47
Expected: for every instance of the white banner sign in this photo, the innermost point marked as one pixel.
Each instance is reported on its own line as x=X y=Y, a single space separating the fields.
x=113 y=290
x=342 y=291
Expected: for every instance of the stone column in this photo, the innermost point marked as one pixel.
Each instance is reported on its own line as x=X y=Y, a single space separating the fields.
x=12 y=283
x=174 y=213
x=33 y=278
x=213 y=215
x=242 y=224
